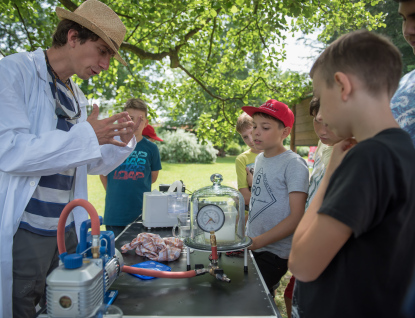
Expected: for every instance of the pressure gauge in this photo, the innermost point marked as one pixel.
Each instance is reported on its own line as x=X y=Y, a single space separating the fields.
x=210 y=218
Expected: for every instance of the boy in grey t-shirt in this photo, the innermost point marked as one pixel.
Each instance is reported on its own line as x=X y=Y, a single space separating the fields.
x=279 y=190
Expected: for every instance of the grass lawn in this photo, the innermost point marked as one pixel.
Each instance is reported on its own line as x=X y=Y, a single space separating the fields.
x=194 y=176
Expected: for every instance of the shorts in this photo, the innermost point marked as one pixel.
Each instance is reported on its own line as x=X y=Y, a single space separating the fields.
x=272 y=268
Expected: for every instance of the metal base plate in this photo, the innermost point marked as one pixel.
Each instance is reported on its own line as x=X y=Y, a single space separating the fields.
x=247 y=241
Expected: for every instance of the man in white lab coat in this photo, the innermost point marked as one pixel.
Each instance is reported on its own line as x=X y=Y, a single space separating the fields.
x=48 y=145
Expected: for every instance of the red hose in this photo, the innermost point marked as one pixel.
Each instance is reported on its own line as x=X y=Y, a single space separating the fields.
x=214 y=253
x=64 y=215
x=161 y=274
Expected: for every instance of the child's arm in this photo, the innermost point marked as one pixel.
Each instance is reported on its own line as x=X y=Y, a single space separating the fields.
x=242 y=179
x=246 y=194
x=249 y=176
x=104 y=180
x=287 y=226
x=154 y=176
x=318 y=237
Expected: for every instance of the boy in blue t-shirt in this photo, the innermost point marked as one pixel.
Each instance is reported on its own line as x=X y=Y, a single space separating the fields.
x=126 y=184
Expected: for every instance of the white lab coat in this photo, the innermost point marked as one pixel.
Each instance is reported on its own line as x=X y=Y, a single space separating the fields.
x=31 y=147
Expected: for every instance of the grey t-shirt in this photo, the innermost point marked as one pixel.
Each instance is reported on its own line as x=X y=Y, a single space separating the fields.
x=274 y=178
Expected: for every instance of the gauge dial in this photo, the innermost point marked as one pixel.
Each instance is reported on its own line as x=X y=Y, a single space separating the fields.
x=210 y=218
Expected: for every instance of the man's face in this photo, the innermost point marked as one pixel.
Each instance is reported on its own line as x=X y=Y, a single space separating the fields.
x=90 y=58
x=407 y=12
x=332 y=111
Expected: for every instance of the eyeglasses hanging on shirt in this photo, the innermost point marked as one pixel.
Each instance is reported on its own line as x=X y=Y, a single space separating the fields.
x=62 y=110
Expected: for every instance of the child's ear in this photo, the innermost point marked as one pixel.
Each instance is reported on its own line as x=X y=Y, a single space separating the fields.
x=344 y=83
x=287 y=131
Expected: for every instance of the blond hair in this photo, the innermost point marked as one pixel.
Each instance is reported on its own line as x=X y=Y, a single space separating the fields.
x=244 y=122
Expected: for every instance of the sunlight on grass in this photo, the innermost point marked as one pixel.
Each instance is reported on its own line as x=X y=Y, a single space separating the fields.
x=194 y=177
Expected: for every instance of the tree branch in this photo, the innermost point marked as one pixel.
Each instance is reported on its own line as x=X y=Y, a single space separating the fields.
x=148 y=33
x=321 y=8
x=224 y=114
x=243 y=29
x=143 y=55
x=249 y=89
x=210 y=44
x=270 y=87
x=132 y=33
x=203 y=86
x=24 y=25
x=260 y=35
x=172 y=53
x=200 y=84
x=68 y=4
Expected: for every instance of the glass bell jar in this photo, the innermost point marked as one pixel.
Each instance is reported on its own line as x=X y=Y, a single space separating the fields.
x=219 y=209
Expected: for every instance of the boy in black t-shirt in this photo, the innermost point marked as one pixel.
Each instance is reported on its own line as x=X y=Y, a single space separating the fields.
x=354 y=250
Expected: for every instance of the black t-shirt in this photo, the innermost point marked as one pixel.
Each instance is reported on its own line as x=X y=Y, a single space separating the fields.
x=372 y=192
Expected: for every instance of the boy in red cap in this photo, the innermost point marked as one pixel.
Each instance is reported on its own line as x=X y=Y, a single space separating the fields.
x=150 y=133
x=278 y=193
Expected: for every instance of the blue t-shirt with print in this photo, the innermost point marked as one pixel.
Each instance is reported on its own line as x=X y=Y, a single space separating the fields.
x=403 y=104
x=127 y=183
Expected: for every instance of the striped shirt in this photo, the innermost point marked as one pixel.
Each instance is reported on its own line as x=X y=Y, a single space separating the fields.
x=53 y=192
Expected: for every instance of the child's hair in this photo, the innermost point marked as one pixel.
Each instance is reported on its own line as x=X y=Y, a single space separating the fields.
x=369 y=56
x=136 y=103
x=243 y=123
x=314 y=106
x=280 y=123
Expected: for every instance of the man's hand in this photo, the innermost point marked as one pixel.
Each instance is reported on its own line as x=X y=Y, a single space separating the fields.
x=339 y=151
x=127 y=137
x=106 y=129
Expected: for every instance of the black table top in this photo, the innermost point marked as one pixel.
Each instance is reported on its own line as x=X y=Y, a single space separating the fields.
x=203 y=295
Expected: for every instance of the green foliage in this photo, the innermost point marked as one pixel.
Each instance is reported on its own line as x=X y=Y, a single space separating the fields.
x=287 y=141
x=198 y=61
x=391 y=27
x=393 y=30
x=233 y=149
x=303 y=151
x=181 y=146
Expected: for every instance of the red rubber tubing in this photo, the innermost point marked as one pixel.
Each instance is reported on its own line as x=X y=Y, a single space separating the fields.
x=161 y=274
x=215 y=252
x=64 y=215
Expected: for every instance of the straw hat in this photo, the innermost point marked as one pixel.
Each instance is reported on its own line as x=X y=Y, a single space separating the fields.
x=100 y=19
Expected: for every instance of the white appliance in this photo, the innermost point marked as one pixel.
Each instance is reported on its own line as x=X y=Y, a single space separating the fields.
x=160 y=209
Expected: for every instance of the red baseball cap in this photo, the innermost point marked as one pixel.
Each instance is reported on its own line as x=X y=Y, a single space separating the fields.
x=150 y=132
x=275 y=109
